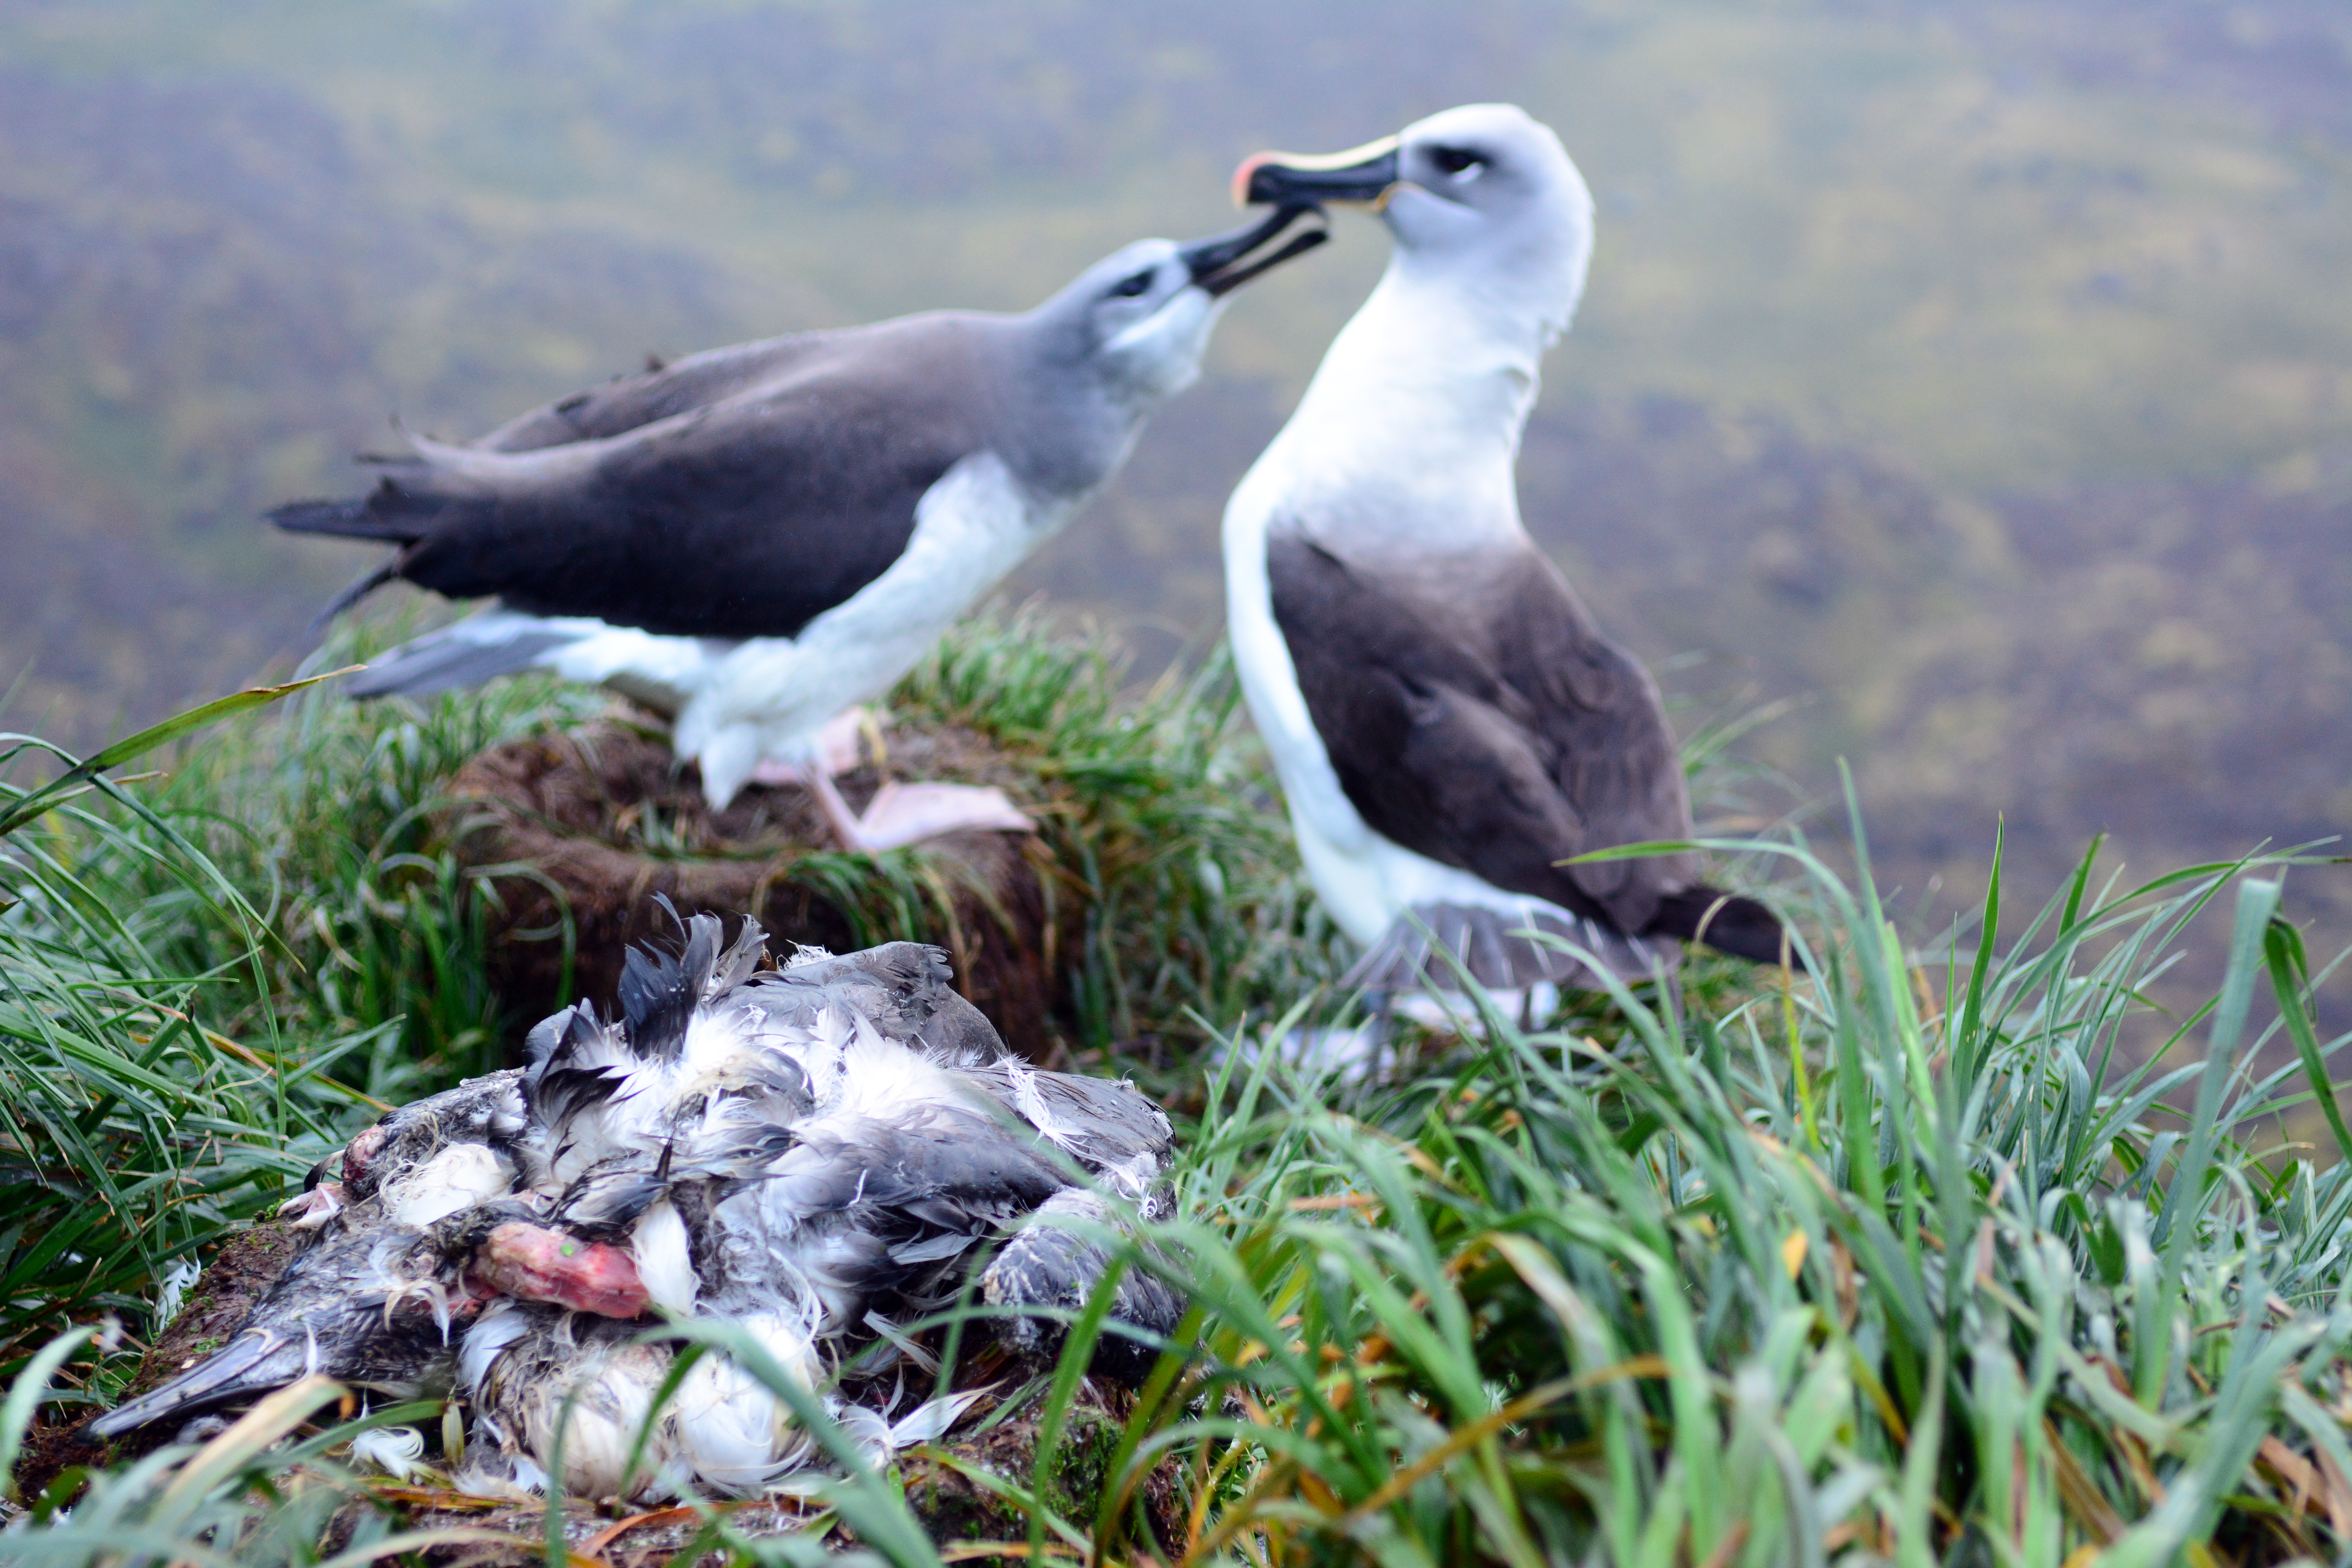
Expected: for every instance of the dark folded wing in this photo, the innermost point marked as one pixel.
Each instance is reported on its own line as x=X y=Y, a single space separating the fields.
x=1476 y=715
x=627 y=402
x=748 y=515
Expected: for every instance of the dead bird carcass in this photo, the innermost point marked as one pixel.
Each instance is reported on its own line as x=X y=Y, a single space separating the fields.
x=790 y=1152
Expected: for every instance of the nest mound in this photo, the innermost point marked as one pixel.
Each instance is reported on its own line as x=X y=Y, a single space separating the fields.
x=585 y=826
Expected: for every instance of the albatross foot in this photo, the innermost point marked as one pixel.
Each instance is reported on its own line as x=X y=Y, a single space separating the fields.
x=908 y=814
x=899 y=813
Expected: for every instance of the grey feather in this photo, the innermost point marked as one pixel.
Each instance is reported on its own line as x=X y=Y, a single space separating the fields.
x=1432 y=946
x=446 y=660
x=1048 y=1271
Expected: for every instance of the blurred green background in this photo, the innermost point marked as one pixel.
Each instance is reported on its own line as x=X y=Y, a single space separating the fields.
x=1974 y=379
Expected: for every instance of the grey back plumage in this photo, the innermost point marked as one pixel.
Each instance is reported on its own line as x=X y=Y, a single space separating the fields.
x=738 y=493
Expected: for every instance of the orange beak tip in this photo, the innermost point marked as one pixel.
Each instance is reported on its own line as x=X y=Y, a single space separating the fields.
x=1250 y=165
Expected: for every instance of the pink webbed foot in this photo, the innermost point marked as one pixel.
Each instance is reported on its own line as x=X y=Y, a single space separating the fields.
x=531 y=1263
x=908 y=814
x=898 y=814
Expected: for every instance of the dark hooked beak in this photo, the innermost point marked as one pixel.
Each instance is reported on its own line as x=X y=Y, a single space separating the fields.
x=1218 y=265
x=1366 y=174
x=256 y=1361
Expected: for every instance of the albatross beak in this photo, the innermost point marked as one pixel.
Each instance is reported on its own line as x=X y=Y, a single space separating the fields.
x=1217 y=263
x=1366 y=174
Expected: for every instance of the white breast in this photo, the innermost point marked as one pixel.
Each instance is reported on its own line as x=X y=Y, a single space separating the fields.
x=769 y=696
x=1413 y=409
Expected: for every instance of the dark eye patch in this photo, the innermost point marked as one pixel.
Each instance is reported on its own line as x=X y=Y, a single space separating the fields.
x=1128 y=288
x=1454 y=160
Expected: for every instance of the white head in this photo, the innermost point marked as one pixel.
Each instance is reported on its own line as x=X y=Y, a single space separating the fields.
x=1481 y=199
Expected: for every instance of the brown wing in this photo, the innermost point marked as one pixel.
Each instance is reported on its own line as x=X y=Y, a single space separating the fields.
x=1475 y=714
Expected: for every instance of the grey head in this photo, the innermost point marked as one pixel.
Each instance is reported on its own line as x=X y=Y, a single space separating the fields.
x=1121 y=339
x=1480 y=199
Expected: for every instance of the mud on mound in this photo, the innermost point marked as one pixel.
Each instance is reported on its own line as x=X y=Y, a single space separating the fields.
x=595 y=821
x=246 y=1265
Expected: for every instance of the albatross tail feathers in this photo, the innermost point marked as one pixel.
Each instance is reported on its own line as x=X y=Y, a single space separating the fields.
x=412 y=494
x=472 y=651
x=344 y=518
x=1727 y=923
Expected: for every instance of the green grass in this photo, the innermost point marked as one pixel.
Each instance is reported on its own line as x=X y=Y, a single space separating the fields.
x=1911 y=1261
x=132 y=1131
x=282 y=888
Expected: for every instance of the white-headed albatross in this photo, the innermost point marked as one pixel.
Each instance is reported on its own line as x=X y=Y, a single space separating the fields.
x=755 y=539
x=1448 y=721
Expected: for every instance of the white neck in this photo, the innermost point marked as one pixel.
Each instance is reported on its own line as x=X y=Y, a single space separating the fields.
x=1416 y=414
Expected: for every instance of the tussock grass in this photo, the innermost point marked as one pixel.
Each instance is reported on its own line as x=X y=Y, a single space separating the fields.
x=1171 y=839
x=1899 y=1265
x=132 y=1131
x=1904 y=1261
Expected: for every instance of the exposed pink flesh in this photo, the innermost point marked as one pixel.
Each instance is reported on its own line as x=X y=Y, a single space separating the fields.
x=463 y=1303
x=534 y=1264
x=364 y=1146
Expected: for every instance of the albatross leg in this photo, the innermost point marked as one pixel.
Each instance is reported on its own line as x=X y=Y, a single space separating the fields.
x=898 y=814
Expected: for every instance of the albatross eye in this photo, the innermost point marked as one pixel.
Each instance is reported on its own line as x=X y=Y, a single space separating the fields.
x=1128 y=288
x=1456 y=163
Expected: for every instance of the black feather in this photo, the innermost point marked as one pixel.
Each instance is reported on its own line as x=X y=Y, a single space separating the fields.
x=1727 y=923
x=658 y=991
x=562 y=1093
x=359 y=588
x=346 y=518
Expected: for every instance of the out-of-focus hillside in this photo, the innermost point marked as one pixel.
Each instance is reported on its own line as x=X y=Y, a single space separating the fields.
x=1978 y=375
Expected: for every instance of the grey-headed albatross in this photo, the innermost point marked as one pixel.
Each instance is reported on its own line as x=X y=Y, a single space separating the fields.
x=755 y=539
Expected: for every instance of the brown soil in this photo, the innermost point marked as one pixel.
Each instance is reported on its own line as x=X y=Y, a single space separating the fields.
x=596 y=821
x=247 y=1263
